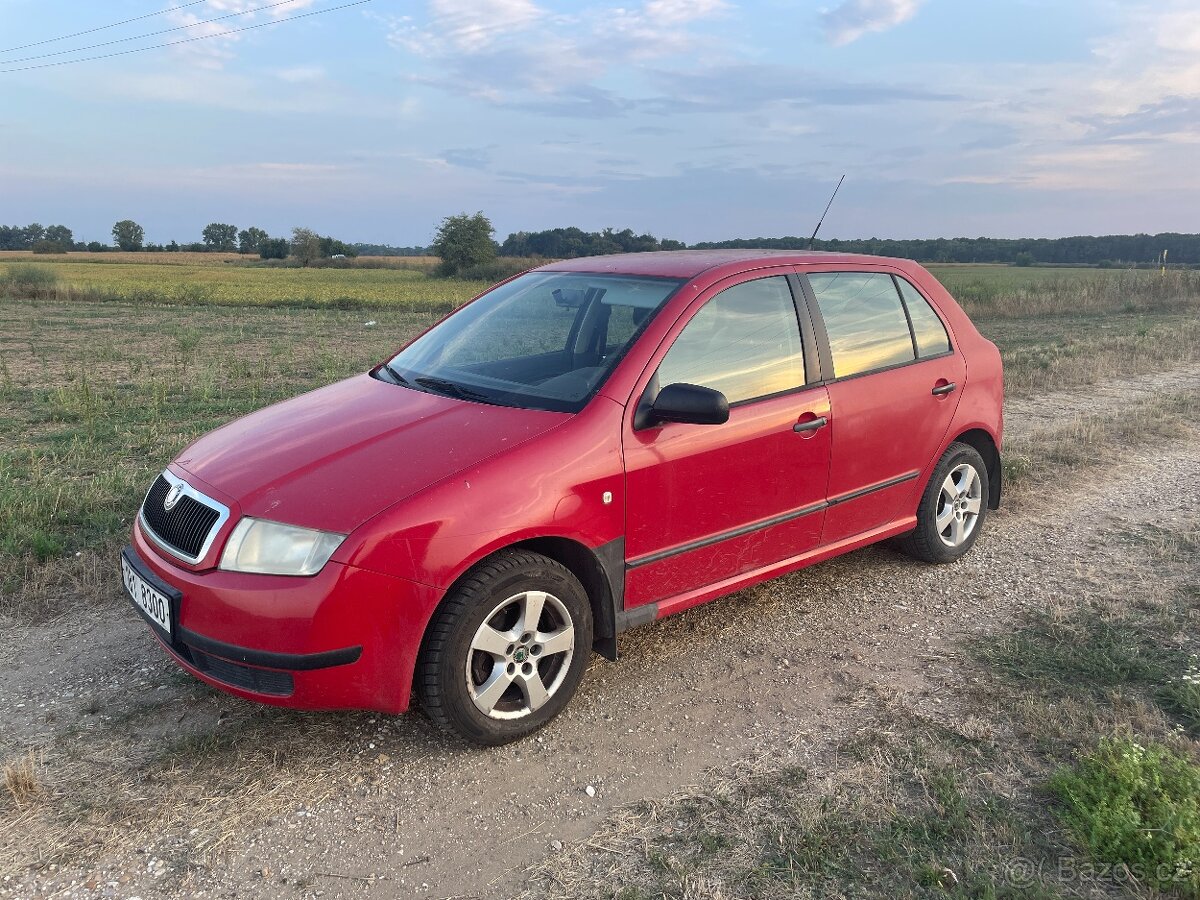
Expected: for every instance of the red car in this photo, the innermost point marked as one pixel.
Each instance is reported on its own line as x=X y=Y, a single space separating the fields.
x=588 y=446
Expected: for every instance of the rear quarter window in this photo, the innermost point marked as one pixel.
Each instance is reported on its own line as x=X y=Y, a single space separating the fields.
x=928 y=330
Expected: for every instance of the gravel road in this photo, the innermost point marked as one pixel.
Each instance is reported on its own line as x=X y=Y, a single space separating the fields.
x=402 y=811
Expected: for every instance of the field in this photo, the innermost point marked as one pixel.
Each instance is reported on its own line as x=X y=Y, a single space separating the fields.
x=230 y=282
x=228 y=279
x=111 y=761
x=99 y=384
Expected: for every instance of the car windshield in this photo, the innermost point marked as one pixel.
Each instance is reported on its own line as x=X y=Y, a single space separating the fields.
x=545 y=340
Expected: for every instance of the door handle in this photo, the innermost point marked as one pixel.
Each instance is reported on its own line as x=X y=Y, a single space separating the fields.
x=944 y=389
x=810 y=425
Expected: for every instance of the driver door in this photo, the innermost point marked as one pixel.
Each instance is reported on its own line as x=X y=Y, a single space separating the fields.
x=707 y=503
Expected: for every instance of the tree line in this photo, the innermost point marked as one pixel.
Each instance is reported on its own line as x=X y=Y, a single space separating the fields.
x=467 y=241
x=305 y=245
x=1104 y=250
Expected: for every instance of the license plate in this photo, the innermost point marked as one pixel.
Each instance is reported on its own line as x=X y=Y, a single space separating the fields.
x=153 y=603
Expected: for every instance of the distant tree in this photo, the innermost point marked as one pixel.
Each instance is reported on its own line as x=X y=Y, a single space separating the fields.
x=1024 y=259
x=389 y=250
x=128 y=235
x=273 y=248
x=60 y=234
x=333 y=247
x=172 y=247
x=220 y=238
x=250 y=238
x=31 y=234
x=567 y=243
x=96 y=247
x=306 y=245
x=463 y=241
x=45 y=246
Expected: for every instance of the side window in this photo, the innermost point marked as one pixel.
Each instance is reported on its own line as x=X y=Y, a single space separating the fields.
x=745 y=343
x=928 y=330
x=865 y=321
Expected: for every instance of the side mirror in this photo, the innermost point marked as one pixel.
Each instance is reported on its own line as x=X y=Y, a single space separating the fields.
x=689 y=404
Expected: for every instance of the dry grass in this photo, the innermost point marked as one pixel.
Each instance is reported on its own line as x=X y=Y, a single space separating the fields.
x=1093 y=440
x=182 y=258
x=891 y=809
x=21 y=779
x=1053 y=354
x=187 y=771
x=1008 y=292
x=914 y=804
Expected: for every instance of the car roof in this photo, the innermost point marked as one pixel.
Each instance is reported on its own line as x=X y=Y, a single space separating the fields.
x=690 y=263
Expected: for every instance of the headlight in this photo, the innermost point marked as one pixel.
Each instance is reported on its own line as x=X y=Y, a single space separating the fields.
x=272 y=548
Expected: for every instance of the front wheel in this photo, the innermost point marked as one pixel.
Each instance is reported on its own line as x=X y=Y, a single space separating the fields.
x=952 y=509
x=506 y=649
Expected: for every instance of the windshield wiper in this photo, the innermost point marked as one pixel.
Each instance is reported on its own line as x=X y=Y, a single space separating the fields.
x=441 y=385
x=400 y=379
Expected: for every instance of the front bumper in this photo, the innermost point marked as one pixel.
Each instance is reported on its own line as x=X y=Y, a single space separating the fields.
x=344 y=638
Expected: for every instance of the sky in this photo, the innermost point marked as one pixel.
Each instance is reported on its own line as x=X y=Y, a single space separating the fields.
x=690 y=119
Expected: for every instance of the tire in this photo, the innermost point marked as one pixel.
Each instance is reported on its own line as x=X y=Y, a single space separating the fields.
x=957 y=496
x=483 y=672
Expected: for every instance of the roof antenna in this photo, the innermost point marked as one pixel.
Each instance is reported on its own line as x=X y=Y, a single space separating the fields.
x=812 y=240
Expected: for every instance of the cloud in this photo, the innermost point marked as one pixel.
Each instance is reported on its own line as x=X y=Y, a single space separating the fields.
x=516 y=55
x=216 y=50
x=469 y=157
x=301 y=74
x=1124 y=116
x=656 y=29
x=851 y=19
x=455 y=27
x=472 y=25
x=742 y=88
x=1172 y=119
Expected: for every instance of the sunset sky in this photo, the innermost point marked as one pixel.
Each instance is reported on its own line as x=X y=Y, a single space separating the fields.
x=696 y=120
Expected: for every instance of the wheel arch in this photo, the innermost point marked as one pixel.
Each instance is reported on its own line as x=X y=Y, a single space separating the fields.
x=985 y=445
x=600 y=570
x=602 y=574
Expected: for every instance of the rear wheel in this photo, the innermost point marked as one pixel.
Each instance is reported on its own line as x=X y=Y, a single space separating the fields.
x=506 y=649
x=952 y=509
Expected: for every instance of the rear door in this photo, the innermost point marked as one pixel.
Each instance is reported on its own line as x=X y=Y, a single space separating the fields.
x=710 y=502
x=894 y=379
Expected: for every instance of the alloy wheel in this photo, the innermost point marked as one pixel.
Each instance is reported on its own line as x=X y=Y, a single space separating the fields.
x=520 y=655
x=959 y=503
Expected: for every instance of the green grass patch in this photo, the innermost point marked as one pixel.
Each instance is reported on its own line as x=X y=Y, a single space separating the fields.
x=19 y=278
x=95 y=399
x=1137 y=807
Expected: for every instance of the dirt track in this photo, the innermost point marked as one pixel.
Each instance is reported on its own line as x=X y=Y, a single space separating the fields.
x=396 y=809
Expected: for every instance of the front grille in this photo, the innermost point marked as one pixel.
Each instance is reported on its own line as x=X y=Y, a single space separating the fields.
x=185 y=527
x=261 y=681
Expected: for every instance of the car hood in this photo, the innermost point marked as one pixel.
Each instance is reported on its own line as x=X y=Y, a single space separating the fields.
x=337 y=456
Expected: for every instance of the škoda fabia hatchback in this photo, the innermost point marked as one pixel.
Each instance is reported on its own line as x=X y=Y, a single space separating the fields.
x=588 y=446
